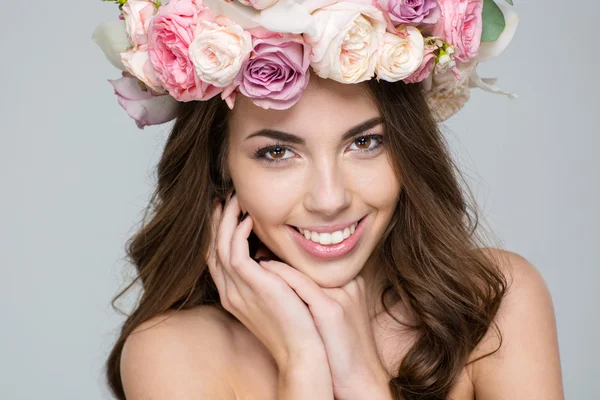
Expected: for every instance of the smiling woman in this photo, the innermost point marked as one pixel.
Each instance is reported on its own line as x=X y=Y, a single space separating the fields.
x=352 y=190
x=316 y=240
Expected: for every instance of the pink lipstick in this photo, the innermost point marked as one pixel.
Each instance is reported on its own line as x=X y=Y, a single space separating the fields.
x=328 y=252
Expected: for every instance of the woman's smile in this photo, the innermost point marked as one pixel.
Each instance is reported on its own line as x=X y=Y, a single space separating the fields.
x=329 y=243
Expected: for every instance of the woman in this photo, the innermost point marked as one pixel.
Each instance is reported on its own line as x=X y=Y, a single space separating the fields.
x=322 y=250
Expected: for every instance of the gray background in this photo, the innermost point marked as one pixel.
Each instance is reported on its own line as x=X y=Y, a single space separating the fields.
x=76 y=173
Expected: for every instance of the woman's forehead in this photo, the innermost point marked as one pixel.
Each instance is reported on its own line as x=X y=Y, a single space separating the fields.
x=326 y=107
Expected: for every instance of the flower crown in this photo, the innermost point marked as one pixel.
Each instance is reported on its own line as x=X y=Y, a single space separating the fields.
x=183 y=50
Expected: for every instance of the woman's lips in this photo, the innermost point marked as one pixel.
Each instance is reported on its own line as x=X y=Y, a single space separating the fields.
x=328 y=252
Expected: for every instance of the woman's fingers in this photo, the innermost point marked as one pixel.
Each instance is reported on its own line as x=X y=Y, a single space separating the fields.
x=242 y=277
x=311 y=293
x=250 y=273
x=258 y=298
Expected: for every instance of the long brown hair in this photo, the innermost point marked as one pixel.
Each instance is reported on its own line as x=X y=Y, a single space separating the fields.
x=429 y=250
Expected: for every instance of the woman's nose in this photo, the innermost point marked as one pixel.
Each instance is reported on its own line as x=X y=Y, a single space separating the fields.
x=327 y=192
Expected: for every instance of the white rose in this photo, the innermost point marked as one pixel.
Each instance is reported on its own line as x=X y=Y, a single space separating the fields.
x=112 y=38
x=258 y=4
x=219 y=50
x=284 y=16
x=345 y=47
x=138 y=64
x=399 y=57
x=138 y=15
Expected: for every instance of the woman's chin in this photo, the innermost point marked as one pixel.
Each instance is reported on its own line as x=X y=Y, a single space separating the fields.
x=329 y=274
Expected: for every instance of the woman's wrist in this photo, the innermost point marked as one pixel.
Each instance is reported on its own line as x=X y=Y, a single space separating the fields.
x=310 y=379
x=294 y=359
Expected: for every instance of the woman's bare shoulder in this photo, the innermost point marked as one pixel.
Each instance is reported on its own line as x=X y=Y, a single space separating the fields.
x=180 y=355
x=526 y=363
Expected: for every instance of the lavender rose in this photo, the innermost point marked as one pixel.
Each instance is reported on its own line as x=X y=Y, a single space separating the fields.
x=412 y=12
x=145 y=107
x=277 y=72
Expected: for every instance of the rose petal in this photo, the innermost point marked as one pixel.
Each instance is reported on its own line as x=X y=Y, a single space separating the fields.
x=487 y=85
x=129 y=88
x=141 y=105
x=489 y=50
x=112 y=38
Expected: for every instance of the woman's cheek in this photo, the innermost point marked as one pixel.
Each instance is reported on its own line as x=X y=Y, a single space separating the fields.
x=269 y=199
x=377 y=184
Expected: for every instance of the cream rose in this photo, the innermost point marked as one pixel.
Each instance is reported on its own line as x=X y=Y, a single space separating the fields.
x=399 y=57
x=138 y=64
x=138 y=15
x=219 y=50
x=345 y=47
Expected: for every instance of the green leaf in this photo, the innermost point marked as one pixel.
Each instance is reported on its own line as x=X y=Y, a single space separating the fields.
x=493 y=21
x=510 y=2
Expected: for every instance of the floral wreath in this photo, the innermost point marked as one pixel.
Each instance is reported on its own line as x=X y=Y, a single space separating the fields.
x=184 y=50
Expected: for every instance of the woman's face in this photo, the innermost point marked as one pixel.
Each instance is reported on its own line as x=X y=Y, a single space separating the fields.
x=311 y=167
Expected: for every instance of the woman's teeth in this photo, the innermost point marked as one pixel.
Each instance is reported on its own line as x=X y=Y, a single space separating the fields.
x=329 y=238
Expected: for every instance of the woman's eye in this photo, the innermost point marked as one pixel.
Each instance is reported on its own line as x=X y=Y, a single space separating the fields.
x=273 y=153
x=368 y=142
x=277 y=153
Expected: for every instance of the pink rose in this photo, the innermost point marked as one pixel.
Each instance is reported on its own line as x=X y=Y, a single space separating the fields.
x=277 y=72
x=461 y=25
x=169 y=37
x=143 y=106
x=426 y=67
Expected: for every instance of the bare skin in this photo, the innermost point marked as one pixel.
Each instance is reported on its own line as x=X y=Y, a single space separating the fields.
x=324 y=181
x=214 y=356
x=527 y=366
x=255 y=374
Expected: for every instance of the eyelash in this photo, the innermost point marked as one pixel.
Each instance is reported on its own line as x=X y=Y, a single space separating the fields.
x=261 y=152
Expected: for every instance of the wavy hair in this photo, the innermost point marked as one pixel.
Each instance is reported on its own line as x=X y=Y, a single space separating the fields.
x=429 y=249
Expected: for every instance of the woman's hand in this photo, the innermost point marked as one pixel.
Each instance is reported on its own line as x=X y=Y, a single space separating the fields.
x=259 y=299
x=342 y=319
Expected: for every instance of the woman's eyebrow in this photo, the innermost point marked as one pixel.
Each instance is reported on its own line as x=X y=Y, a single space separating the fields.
x=288 y=137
